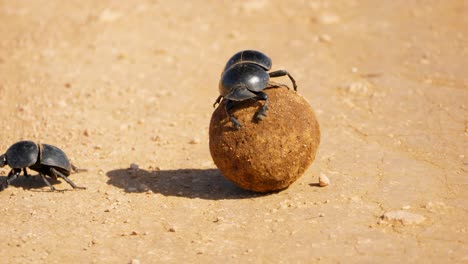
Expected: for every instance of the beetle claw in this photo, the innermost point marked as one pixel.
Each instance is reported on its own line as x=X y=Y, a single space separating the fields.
x=235 y=123
x=260 y=116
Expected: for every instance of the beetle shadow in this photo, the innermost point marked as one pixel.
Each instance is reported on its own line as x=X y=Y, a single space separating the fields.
x=33 y=182
x=206 y=184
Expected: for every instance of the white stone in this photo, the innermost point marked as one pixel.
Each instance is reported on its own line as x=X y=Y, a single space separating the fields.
x=406 y=218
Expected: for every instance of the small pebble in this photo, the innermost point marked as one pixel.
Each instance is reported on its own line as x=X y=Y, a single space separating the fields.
x=323 y=180
x=108 y=15
x=194 y=141
x=324 y=38
x=135 y=261
x=327 y=19
x=134 y=166
x=131 y=189
x=404 y=217
x=143 y=187
x=134 y=169
x=172 y=229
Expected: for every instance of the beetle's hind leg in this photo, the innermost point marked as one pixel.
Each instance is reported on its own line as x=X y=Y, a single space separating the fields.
x=283 y=73
x=261 y=113
x=228 y=106
x=75 y=169
x=61 y=175
x=52 y=188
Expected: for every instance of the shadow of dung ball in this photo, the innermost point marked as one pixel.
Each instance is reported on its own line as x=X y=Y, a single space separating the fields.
x=267 y=155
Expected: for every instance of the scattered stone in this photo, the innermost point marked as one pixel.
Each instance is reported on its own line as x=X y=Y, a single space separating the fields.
x=143 y=187
x=108 y=15
x=134 y=170
x=357 y=88
x=218 y=219
x=325 y=38
x=131 y=189
x=134 y=166
x=135 y=261
x=254 y=5
x=323 y=180
x=194 y=141
x=172 y=229
x=406 y=218
x=434 y=206
x=327 y=18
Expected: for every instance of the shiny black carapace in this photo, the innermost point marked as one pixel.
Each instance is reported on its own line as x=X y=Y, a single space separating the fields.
x=245 y=77
x=46 y=159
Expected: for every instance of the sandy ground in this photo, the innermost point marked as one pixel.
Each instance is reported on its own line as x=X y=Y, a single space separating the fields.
x=115 y=83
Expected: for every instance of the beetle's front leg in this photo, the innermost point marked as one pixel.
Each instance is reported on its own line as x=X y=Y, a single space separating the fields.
x=12 y=176
x=228 y=106
x=218 y=100
x=261 y=113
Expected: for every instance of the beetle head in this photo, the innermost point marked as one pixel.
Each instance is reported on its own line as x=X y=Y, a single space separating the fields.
x=3 y=161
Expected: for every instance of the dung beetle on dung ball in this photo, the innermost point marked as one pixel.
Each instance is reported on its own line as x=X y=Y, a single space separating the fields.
x=245 y=76
x=46 y=159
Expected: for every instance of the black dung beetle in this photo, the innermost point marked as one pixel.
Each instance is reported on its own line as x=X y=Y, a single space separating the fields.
x=245 y=77
x=43 y=158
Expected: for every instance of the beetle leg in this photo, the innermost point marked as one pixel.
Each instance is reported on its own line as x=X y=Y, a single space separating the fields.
x=12 y=176
x=52 y=188
x=218 y=100
x=26 y=173
x=228 y=106
x=77 y=170
x=283 y=73
x=261 y=113
x=58 y=173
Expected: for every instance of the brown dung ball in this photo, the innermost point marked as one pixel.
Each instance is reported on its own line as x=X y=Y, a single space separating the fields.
x=270 y=154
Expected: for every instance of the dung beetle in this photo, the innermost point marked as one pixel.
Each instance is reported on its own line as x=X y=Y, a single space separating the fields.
x=244 y=77
x=46 y=159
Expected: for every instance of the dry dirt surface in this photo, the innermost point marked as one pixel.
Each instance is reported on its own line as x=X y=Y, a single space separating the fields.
x=126 y=89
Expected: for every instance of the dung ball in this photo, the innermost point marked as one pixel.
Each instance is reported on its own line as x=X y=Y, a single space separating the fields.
x=270 y=154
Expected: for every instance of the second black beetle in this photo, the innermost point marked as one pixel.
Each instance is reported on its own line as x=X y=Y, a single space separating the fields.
x=244 y=77
x=46 y=159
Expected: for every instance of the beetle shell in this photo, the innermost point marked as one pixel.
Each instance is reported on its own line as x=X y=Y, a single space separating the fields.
x=22 y=154
x=55 y=157
x=250 y=56
x=253 y=78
